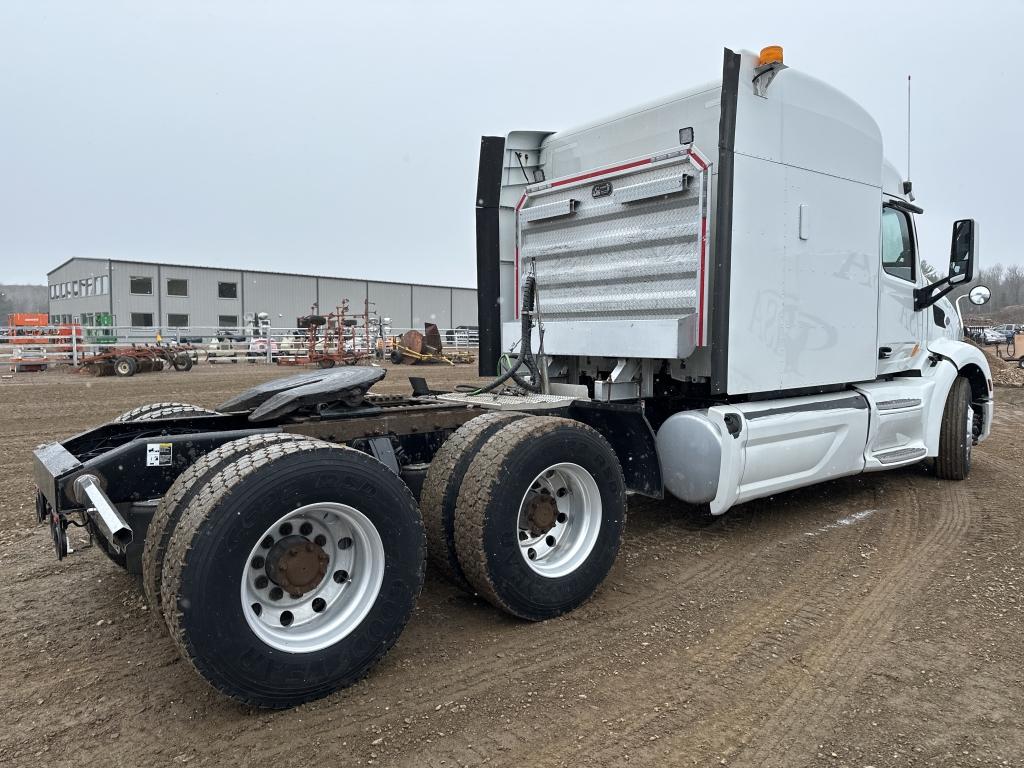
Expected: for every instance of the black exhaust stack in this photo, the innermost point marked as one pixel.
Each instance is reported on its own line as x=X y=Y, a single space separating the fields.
x=488 y=252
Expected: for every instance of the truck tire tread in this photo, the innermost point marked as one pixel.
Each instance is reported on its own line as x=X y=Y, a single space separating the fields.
x=478 y=493
x=143 y=412
x=441 y=489
x=953 y=462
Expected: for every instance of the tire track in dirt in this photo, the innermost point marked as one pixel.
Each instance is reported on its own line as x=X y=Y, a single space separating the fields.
x=747 y=647
x=745 y=638
x=786 y=738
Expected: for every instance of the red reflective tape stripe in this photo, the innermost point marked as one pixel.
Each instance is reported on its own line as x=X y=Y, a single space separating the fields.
x=515 y=297
x=698 y=160
x=700 y=306
x=602 y=172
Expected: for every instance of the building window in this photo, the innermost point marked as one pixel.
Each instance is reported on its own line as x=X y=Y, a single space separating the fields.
x=141 y=286
x=142 y=319
x=227 y=321
x=102 y=285
x=53 y=291
x=227 y=290
x=176 y=286
x=175 y=320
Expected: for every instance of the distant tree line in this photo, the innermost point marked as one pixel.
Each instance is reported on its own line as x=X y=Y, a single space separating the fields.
x=1006 y=284
x=22 y=298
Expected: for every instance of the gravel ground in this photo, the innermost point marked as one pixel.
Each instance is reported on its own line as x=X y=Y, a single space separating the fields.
x=871 y=621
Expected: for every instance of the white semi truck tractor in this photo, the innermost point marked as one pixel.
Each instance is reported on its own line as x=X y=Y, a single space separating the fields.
x=717 y=297
x=727 y=285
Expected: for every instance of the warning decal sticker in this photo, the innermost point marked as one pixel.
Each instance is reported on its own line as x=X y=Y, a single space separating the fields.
x=158 y=454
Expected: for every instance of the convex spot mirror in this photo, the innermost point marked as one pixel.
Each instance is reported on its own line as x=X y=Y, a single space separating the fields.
x=980 y=294
x=962 y=251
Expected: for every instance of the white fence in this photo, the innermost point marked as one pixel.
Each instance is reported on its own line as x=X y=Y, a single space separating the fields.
x=24 y=346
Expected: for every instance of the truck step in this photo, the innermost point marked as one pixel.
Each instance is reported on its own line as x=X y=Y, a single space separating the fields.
x=901 y=455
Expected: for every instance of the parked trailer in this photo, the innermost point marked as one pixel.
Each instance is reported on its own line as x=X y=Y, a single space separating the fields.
x=704 y=305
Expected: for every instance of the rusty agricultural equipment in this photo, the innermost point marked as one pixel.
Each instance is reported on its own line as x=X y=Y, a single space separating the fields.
x=127 y=361
x=334 y=338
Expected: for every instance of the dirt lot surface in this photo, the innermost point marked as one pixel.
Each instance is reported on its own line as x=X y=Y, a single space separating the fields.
x=873 y=621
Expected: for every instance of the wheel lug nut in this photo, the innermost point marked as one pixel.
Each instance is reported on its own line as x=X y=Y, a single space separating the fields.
x=268 y=542
x=261 y=582
x=276 y=593
x=285 y=529
x=305 y=529
x=319 y=604
x=258 y=562
x=320 y=540
x=561 y=517
x=550 y=541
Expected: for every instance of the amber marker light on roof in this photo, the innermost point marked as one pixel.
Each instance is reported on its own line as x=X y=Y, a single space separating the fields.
x=771 y=54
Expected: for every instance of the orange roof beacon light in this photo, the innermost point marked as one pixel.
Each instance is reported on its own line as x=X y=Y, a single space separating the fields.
x=769 y=64
x=770 y=54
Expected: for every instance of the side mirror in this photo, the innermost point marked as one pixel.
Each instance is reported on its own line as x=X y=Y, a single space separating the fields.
x=961 y=251
x=980 y=294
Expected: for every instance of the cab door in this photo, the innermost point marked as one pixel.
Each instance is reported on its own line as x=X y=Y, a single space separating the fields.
x=899 y=326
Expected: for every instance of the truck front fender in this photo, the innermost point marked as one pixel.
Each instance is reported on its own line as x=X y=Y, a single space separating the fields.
x=972 y=365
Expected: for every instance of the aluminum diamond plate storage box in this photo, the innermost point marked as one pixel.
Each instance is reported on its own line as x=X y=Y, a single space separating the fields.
x=619 y=256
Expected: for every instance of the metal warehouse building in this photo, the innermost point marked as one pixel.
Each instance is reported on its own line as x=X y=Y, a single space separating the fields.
x=145 y=294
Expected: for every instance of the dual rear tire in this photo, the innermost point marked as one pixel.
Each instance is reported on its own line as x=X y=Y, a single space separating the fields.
x=527 y=511
x=284 y=567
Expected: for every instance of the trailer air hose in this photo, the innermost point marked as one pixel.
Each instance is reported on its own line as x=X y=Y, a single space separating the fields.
x=525 y=350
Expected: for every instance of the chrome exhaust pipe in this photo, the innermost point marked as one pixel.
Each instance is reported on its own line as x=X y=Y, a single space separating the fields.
x=103 y=512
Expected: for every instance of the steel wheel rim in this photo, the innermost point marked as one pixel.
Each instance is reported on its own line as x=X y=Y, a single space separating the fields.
x=561 y=549
x=349 y=587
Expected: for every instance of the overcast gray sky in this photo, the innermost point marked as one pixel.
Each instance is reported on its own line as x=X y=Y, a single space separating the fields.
x=342 y=138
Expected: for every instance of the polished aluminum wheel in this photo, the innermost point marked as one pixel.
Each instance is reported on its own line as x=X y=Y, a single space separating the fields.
x=312 y=577
x=559 y=520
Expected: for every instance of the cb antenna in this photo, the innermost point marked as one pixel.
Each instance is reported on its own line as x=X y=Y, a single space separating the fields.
x=908 y=185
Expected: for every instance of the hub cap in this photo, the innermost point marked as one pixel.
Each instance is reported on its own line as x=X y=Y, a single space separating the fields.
x=559 y=520
x=312 y=577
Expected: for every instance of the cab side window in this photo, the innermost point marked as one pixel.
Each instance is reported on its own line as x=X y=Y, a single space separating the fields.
x=897 y=244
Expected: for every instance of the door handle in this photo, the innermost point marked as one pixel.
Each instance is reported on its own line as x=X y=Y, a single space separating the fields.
x=884 y=352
